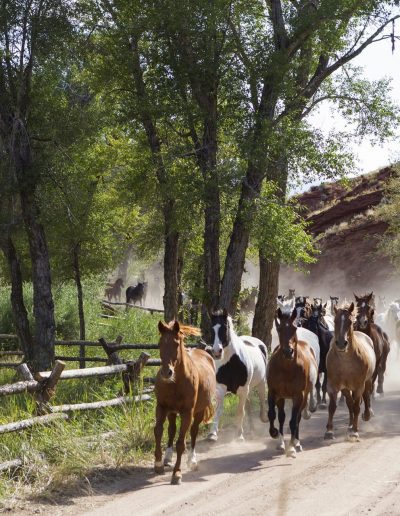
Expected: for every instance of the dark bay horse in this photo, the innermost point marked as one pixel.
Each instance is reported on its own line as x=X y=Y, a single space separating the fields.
x=114 y=290
x=350 y=363
x=365 y=323
x=317 y=324
x=292 y=373
x=136 y=293
x=185 y=384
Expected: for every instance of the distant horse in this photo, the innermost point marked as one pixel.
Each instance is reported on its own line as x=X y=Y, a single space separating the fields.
x=241 y=367
x=282 y=298
x=185 y=385
x=365 y=323
x=368 y=299
x=334 y=302
x=303 y=309
x=292 y=293
x=317 y=324
x=292 y=373
x=248 y=303
x=114 y=290
x=350 y=364
x=389 y=321
x=137 y=293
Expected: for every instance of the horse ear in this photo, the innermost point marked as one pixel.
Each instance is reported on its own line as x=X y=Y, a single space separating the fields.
x=370 y=296
x=325 y=304
x=162 y=327
x=357 y=298
x=176 y=327
x=351 y=308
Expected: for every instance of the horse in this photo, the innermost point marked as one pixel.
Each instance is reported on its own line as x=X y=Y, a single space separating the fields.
x=389 y=321
x=292 y=293
x=248 y=302
x=185 y=385
x=334 y=302
x=292 y=373
x=317 y=324
x=281 y=298
x=137 y=293
x=365 y=323
x=368 y=299
x=114 y=290
x=241 y=366
x=350 y=364
x=302 y=306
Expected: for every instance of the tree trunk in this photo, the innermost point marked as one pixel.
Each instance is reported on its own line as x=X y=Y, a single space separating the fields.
x=266 y=301
x=79 y=290
x=20 y=314
x=171 y=258
x=236 y=254
x=43 y=306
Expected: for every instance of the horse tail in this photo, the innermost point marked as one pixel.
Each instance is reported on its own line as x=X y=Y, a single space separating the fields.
x=208 y=413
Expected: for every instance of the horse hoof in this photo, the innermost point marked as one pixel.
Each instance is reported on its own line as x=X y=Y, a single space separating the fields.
x=176 y=480
x=291 y=453
x=329 y=435
x=193 y=466
x=366 y=417
x=212 y=437
x=240 y=438
x=306 y=414
x=273 y=432
x=299 y=447
x=353 y=437
x=159 y=469
x=322 y=406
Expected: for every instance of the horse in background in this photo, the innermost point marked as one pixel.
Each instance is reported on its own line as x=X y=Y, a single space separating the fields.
x=350 y=364
x=334 y=302
x=365 y=323
x=137 y=293
x=241 y=367
x=292 y=374
x=185 y=385
x=389 y=321
x=114 y=290
x=248 y=302
x=317 y=324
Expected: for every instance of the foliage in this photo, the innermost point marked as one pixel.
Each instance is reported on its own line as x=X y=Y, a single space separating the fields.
x=389 y=212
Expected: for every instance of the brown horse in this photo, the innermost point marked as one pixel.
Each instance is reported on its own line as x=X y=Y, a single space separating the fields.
x=365 y=323
x=292 y=373
x=350 y=363
x=185 y=385
x=114 y=290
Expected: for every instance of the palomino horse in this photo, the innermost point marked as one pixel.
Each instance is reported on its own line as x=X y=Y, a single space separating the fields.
x=350 y=364
x=241 y=366
x=317 y=324
x=365 y=323
x=292 y=373
x=185 y=385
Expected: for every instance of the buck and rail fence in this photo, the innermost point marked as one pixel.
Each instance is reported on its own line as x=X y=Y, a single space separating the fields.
x=135 y=386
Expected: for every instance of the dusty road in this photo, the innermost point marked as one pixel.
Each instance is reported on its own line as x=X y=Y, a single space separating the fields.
x=327 y=478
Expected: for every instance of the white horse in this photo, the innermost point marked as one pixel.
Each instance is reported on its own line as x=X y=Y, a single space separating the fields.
x=241 y=366
x=389 y=321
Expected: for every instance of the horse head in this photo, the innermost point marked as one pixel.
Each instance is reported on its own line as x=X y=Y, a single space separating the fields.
x=284 y=322
x=343 y=326
x=366 y=299
x=365 y=316
x=169 y=344
x=220 y=331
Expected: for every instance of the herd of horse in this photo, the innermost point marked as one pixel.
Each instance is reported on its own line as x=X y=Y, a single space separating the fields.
x=343 y=345
x=133 y=294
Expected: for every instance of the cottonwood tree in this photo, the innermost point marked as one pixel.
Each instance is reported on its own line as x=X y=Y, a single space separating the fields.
x=31 y=35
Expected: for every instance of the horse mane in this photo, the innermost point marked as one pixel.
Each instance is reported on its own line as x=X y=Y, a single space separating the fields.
x=189 y=330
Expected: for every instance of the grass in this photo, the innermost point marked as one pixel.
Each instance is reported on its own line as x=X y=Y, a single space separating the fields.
x=68 y=453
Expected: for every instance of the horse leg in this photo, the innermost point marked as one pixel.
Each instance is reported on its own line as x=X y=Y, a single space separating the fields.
x=161 y=415
x=298 y=405
x=332 y=410
x=367 y=401
x=273 y=432
x=324 y=389
x=171 y=436
x=186 y=419
x=381 y=373
x=318 y=389
x=243 y=393
x=194 y=429
x=263 y=406
x=281 y=418
x=249 y=415
x=350 y=405
x=219 y=396
x=352 y=435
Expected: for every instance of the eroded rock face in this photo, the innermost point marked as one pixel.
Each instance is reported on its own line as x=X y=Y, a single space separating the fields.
x=348 y=231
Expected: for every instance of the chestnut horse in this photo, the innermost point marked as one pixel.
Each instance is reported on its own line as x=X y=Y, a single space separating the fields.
x=185 y=384
x=114 y=290
x=292 y=373
x=350 y=363
x=380 y=340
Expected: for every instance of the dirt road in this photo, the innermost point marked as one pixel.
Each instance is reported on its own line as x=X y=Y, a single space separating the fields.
x=327 y=478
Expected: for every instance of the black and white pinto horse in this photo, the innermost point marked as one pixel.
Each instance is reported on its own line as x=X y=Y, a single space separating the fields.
x=241 y=364
x=317 y=324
